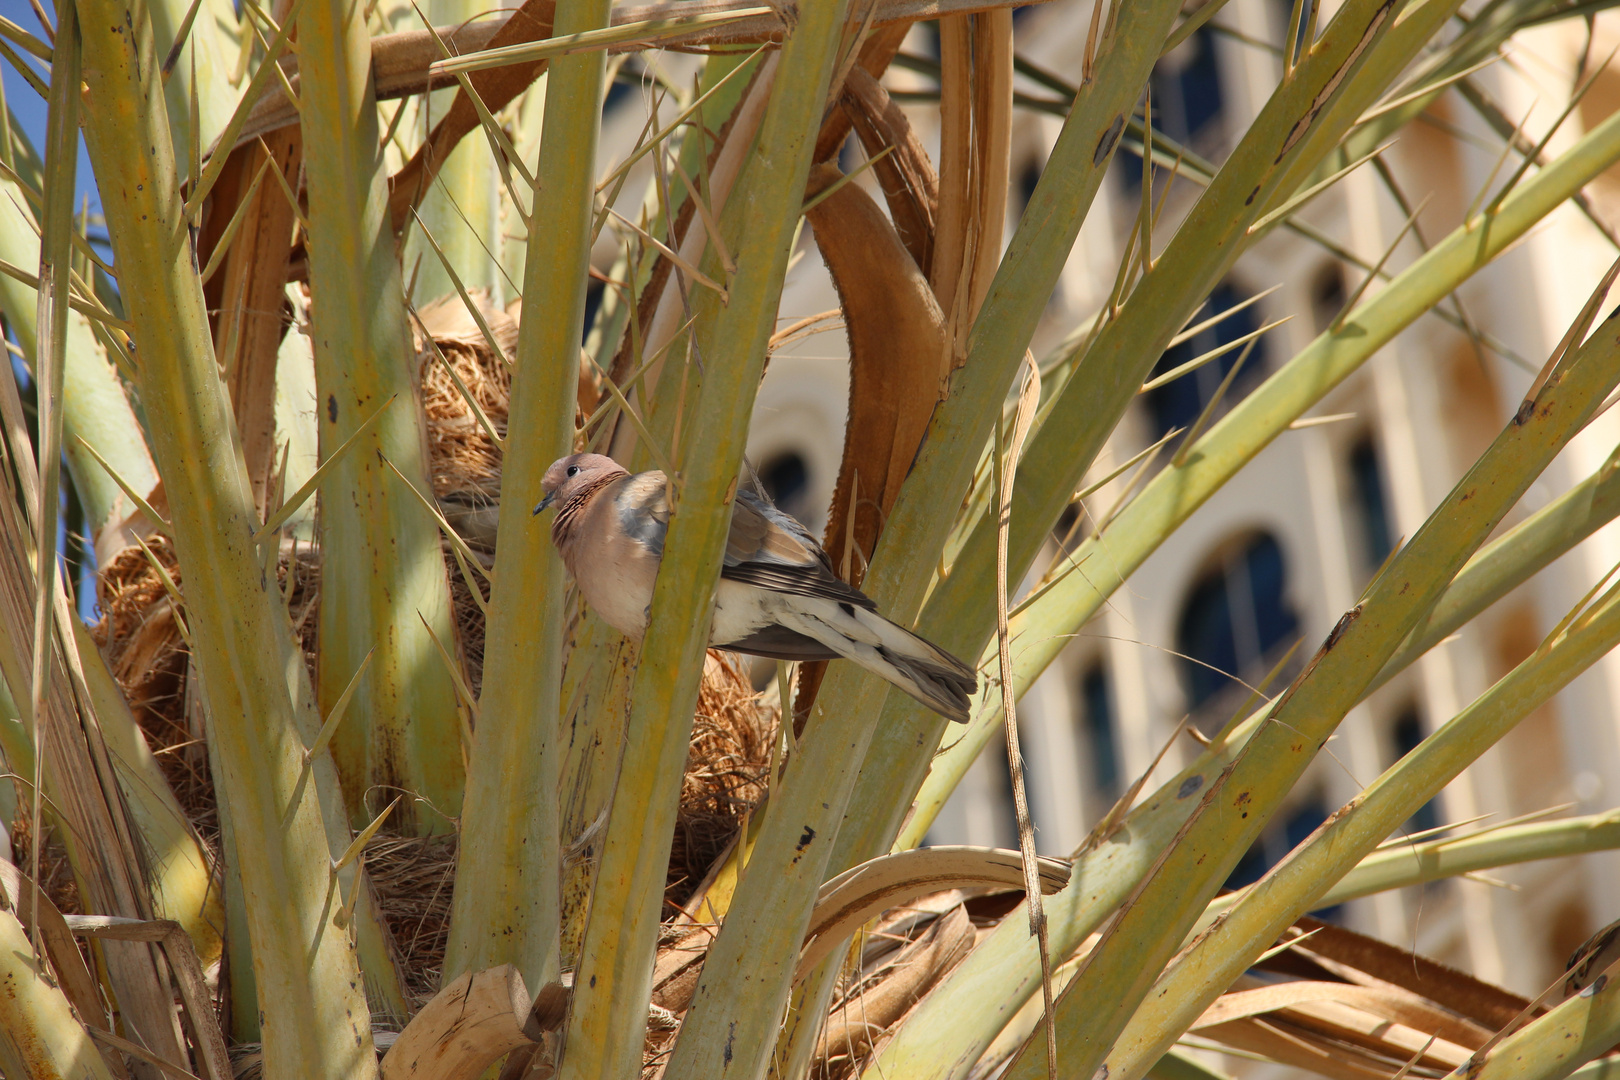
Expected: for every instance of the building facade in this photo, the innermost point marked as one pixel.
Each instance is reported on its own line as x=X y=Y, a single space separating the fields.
x=1286 y=547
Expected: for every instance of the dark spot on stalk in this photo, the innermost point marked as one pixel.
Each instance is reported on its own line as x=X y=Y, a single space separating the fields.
x=731 y=1037
x=1190 y=785
x=804 y=841
x=1105 y=145
x=331 y=407
x=1252 y=194
x=593 y=982
x=1340 y=627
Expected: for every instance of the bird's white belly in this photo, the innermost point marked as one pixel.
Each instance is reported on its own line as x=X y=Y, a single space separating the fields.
x=621 y=597
x=739 y=610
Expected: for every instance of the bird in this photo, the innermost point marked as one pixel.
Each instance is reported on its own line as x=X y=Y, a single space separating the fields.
x=777 y=597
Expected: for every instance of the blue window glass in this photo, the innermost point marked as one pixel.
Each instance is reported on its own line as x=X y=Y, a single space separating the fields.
x=1234 y=619
x=1178 y=403
x=1096 y=699
x=786 y=479
x=1187 y=88
x=1187 y=103
x=1405 y=734
x=1371 y=508
x=1205 y=636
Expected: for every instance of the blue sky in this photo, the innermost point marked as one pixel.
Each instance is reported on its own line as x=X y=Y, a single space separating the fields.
x=28 y=107
x=28 y=111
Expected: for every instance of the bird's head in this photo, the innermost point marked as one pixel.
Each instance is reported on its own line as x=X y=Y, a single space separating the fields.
x=569 y=476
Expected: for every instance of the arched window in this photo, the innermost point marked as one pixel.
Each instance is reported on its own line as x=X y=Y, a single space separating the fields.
x=1370 y=506
x=1234 y=620
x=1181 y=401
x=1327 y=295
x=1187 y=97
x=1405 y=732
x=786 y=479
x=1187 y=105
x=1097 y=729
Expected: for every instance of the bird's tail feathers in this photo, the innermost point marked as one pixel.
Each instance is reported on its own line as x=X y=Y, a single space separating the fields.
x=913 y=664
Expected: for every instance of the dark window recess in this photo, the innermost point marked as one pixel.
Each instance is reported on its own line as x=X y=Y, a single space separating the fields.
x=1404 y=734
x=930 y=39
x=786 y=479
x=1097 y=701
x=1030 y=174
x=1327 y=295
x=619 y=92
x=1371 y=508
x=1066 y=531
x=1181 y=401
x=1187 y=103
x=593 y=301
x=1234 y=620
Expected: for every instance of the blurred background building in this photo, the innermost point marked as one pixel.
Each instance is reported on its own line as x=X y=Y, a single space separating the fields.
x=1279 y=554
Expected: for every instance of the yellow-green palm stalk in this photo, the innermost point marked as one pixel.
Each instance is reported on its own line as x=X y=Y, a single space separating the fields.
x=1181 y=487
x=596 y=683
x=1344 y=71
x=1240 y=800
x=508 y=891
x=1553 y=1046
x=383 y=581
x=182 y=880
x=1401 y=863
x=316 y=1023
x=948 y=1028
x=1253 y=922
x=772 y=904
x=723 y=368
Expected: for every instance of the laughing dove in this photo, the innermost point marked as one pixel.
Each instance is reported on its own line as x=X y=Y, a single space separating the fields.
x=778 y=596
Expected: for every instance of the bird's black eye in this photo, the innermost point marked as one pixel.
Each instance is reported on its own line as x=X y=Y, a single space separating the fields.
x=573 y=470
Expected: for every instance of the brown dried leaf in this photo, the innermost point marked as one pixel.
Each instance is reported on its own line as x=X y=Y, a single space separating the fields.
x=247 y=293
x=885 y=995
x=1488 y=1006
x=906 y=175
x=974 y=163
x=877 y=52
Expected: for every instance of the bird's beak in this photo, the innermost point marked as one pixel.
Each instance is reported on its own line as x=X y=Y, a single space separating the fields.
x=545 y=502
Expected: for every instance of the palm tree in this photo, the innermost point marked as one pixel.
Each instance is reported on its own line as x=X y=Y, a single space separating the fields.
x=375 y=697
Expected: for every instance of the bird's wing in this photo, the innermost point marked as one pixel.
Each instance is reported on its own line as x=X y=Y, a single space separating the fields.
x=642 y=504
x=770 y=550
